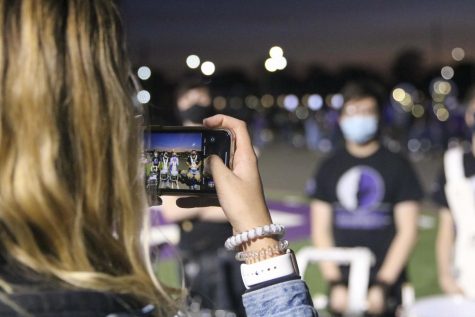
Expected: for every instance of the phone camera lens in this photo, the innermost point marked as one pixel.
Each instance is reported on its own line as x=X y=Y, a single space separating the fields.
x=212 y=139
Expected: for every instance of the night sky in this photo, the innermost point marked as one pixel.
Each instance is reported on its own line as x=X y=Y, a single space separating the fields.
x=176 y=141
x=327 y=32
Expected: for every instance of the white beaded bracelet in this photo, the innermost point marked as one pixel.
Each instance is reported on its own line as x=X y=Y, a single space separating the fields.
x=264 y=253
x=260 y=232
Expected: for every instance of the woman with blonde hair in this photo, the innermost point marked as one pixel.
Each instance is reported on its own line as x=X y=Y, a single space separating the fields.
x=72 y=200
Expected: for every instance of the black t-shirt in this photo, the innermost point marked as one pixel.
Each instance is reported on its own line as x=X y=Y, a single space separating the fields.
x=202 y=237
x=438 y=190
x=363 y=193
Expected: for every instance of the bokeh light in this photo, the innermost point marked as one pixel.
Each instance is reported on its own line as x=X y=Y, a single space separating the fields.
x=315 y=102
x=270 y=65
x=281 y=63
x=418 y=111
x=337 y=101
x=399 y=94
x=236 y=103
x=291 y=102
x=267 y=101
x=219 y=103
x=193 y=61
x=302 y=113
x=447 y=72
x=442 y=114
x=144 y=72
x=252 y=102
x=458 y=54
x=276 y=61
x=143 y=96
x=276 y=51
x=208 y=68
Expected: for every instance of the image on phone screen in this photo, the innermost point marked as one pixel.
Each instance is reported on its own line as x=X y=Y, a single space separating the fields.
x=174 y=161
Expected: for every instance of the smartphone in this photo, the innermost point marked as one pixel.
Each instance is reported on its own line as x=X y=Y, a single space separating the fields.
x=174 y=159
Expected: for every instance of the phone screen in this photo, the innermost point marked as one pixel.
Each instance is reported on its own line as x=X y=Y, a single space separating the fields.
x=175 y=159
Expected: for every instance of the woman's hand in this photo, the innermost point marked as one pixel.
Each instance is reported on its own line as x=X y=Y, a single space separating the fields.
x=376 y=300
x=239 y=189
x=449 y=285
x=339 y=299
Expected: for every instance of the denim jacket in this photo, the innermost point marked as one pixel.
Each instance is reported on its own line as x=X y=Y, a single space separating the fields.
x=290 y=298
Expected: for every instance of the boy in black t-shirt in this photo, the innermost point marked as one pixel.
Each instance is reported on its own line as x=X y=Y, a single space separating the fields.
x=365 y=195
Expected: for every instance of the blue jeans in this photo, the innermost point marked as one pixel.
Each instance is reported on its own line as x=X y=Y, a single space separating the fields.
x=289 y=298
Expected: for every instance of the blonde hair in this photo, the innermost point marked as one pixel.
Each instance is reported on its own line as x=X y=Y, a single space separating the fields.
x=72 y=199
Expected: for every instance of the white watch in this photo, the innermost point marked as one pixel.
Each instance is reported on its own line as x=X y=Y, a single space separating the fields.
x=269 y=269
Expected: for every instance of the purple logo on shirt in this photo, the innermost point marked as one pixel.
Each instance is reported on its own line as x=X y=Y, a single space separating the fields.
x=360 y=192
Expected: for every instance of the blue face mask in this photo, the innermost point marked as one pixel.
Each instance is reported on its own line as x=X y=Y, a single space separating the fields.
x=359 y=129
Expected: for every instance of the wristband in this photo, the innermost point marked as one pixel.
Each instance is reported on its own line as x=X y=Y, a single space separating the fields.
x=270 y=269
x=237 y=240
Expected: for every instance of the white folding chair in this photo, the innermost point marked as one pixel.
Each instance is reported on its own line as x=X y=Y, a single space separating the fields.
x=359 y=259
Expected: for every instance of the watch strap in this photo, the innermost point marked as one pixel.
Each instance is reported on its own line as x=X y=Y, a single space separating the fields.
x=269 y=269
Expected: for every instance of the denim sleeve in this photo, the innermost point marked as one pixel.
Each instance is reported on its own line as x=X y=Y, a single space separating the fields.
x=284 y=299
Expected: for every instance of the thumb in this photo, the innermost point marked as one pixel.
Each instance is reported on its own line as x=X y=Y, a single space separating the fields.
x=219 y=170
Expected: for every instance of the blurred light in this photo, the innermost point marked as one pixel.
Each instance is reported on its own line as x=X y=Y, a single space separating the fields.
x=304 y=100
x=436 y=107
x=393 y=145
x=302 y=113
x=193 y=61
x=442 y=87
x=280 y=101
x=291 y=102
x=219 y=103
x=447 y=72
x=458 y=54
x=280 y=62
x=399 y=94
x=143 y=96
x=208 y=68
x=413 y=145
x=267 y=101
x=236 y=103
x=144 y=72
x=266 y=135
x=337 y=101
x=315 y=102
x=406 y=101
x=252 y=102
x=418 y=111
x=276 y=51
x=270 y=65
x=442 y=114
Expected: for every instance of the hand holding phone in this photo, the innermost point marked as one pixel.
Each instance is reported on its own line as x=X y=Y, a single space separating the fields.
x=175 y=159
x=239 y=189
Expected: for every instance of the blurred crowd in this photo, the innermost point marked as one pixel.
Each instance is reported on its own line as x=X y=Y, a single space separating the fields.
x=422 y=112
